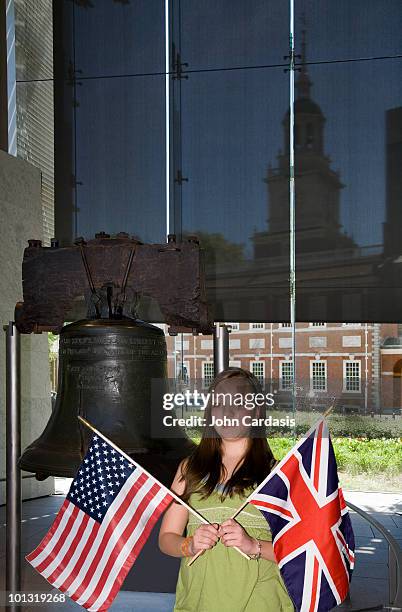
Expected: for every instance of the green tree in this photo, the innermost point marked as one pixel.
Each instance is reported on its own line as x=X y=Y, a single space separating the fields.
x=217 y=249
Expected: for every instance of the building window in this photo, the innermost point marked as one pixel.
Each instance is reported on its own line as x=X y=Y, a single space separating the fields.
x=234 y=326
x=235 y=364
x=318 y=324
x=285 y=325
x=207 y=372
x=256 y=343
x=257 y=368
x=317 y=342
x=318 y=375
x=207 y=344
x=257 y=325
x=286 y=375
x=351 y=375
x=351 y=341
x=351 y=324
x=181 y=344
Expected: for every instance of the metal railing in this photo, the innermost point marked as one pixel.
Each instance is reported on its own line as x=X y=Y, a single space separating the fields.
x=394 y=560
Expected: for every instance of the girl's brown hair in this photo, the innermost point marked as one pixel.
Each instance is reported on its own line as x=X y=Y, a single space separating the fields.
x=203 y=469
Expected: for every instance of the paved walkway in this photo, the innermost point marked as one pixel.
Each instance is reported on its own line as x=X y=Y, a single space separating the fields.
x=369 y=585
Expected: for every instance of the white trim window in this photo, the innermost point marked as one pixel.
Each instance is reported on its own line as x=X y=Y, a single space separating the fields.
x=207 y=372
x=317 y=324
x=235 y=363
x=234 y=326
x=318 y=375
x=285 y=324
x=286 y=375
x=257 y=325
x=258 y=369
x=351 y=324
x=351 y=376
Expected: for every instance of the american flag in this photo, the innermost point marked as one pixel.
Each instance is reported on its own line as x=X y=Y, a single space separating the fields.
x=105 y=520
x=311 y=528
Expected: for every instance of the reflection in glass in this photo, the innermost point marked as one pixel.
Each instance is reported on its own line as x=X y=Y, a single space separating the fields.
x=113 y=38
x=120 y=157
x=233 y=33
x=345 y=30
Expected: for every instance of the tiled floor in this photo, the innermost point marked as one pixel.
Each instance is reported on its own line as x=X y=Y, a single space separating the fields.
x=370 y=580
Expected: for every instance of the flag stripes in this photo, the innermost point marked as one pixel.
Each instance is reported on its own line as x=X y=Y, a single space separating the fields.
x=88 y=553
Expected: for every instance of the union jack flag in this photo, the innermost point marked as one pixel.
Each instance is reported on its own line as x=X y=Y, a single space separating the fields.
x=101 y=527
x=311 y=528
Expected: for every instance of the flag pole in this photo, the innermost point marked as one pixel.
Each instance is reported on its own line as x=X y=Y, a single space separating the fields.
x=176 y=497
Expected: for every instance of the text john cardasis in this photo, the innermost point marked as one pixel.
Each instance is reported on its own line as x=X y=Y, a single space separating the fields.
x=246 y=420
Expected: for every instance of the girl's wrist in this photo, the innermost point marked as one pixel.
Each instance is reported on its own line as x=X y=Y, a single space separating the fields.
x=186 y=547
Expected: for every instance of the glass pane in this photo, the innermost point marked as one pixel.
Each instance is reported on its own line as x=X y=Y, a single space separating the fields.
x=119 y=38
x=348 y=191
x=231 y=133
x=120 y=157
x=348 y=30
x=233 y=33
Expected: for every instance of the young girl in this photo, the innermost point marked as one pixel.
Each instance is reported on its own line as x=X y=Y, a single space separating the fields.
x=230 y=461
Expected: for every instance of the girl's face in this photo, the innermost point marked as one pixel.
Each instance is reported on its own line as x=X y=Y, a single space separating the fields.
x=228 y=408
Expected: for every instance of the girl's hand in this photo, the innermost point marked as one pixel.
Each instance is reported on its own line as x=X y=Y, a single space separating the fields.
x=233 y=534
x=205 y=536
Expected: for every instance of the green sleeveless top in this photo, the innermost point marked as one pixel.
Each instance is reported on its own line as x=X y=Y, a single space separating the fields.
x=221 y=579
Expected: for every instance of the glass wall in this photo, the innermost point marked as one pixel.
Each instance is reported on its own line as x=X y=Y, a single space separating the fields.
x=174 y=118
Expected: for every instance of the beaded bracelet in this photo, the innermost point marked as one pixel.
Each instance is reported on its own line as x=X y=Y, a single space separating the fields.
x=256 y=555
x=185 y=547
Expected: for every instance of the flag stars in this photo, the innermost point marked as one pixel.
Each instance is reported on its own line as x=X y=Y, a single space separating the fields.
x=99 y=480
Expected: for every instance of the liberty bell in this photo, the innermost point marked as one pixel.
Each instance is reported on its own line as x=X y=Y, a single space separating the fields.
x=112 y=364
x=107 y=374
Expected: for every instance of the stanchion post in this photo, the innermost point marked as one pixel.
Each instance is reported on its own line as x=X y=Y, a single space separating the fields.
x=221 y=348
x=13 y=452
